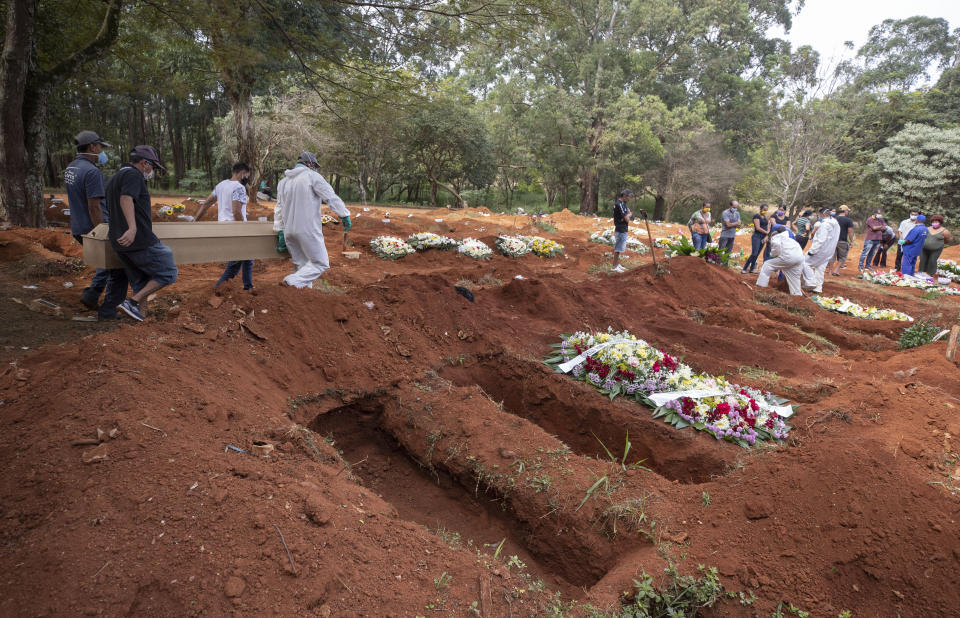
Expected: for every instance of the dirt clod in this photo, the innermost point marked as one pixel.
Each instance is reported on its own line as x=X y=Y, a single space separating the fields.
x=234 y=587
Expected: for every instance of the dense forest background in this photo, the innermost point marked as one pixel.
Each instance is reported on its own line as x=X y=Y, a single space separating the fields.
x=544 y=105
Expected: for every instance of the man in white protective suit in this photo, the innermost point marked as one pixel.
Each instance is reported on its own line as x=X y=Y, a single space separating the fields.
x=297 y=220
x=822 y=247
x=785 y=256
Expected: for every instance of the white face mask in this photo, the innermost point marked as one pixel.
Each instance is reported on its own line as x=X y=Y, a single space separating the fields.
x=148 y=175
x=913 y=217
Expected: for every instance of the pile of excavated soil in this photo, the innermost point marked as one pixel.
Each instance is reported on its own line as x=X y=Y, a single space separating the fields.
x=425 y=460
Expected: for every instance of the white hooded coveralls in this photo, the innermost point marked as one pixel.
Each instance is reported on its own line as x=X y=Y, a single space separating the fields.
x=823 y=246
x=787 y=256
x=298 y=214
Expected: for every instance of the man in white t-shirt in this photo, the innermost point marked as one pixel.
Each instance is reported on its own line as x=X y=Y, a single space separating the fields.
x=230 y=196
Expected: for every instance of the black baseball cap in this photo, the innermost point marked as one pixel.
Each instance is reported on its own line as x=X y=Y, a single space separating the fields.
x=150 y=154
x=625 y=192
x=308 y=158
x=85 y=138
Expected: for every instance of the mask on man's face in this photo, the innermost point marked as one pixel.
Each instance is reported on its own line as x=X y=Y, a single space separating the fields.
x=148 y=175
x=102 y=158
x=244 y=180
x=913 y=217
x=833 y=213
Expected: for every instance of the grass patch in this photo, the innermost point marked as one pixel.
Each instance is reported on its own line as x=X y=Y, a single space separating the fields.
x=778 y=300
x=546 y=227
x=489 y=280
x=680 y=595
x=325 y=287
x=757 y=374
x=931 y=295
x=917 y=335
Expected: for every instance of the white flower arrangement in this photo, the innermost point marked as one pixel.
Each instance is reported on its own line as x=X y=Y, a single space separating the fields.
x=428 y=240
x=606 y=238
x=512 y=246
x=471 y=247
x=390 y=247
x=842 y=305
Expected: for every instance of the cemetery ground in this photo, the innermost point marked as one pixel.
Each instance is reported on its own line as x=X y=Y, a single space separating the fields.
x=427 y=462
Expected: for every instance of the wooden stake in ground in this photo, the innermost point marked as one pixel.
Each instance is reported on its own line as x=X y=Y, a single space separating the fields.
x=952 y=343
x=650 y=238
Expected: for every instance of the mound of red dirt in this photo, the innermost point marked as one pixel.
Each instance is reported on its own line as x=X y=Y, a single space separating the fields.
x=425 y=459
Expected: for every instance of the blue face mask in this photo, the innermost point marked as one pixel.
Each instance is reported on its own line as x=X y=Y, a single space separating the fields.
x=102 y=158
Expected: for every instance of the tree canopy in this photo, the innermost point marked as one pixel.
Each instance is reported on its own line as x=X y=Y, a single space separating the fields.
x=546 y=104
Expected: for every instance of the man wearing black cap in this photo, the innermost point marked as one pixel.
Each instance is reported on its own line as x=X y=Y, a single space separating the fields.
x=85 y=196
x=148 y=262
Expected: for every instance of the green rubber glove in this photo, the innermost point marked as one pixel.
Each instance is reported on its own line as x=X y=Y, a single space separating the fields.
x=281 y=244
x=346 y=223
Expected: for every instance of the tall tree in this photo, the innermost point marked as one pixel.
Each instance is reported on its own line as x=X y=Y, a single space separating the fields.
x=43 y=44
x=599 y=50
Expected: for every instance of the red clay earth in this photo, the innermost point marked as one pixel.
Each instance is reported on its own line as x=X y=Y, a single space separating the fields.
x=413 y=437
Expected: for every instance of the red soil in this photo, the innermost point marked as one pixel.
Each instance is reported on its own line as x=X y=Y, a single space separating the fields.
x=413 y=435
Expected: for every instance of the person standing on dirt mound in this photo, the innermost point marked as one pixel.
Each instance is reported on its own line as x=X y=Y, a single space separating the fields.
x=230 y=196
x=729 y=224
x=902 y=230
x=912 y=246
x=621 y=224
x=823 y=245
x=85 y=197
x=297 y=220
x=147 y=261
x=785 y=256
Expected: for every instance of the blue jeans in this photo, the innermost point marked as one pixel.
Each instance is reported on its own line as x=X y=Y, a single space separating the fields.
x=619 y=242
x=246 y=266
x=155 y=263
x=756 y=245
x=699 y=240
x=866 y=255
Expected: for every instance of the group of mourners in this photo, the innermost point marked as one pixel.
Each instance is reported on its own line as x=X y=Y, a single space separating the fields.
x=123 y=203
x=830 y=234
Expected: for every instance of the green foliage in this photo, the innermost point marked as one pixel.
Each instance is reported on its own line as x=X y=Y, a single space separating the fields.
x=680 y=595
x=918 y=334
x=721 y=257
x=920 y=167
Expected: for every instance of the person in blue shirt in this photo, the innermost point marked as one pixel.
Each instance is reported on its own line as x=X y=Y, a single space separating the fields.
x=912 y=246
x=85 y=193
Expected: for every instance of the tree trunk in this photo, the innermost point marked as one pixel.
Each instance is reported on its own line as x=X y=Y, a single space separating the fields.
x=433 y=192
x=242 y=102
x=460 y=202
x=659 y=207
x=588 y=191
x=19 y=50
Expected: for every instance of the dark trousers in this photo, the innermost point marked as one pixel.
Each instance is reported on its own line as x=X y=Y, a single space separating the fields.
x=111 y=280
x=928 y=261
x=114 y=281
x=898 y=264
x=880 y=257
x=802 y=241
x=727 y=243
x=756 y=246
x=246 y=266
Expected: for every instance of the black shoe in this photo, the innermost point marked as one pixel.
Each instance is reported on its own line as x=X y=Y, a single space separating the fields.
x=89 y=304
x=131 y=308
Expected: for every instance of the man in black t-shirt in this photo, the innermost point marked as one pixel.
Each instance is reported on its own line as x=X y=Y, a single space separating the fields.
x=846 y=240
x=148 y=262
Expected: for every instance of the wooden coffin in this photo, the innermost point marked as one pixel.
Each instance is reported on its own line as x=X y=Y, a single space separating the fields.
x=195 y=242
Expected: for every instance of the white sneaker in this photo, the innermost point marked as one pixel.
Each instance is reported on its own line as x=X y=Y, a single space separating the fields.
x=619 y=269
